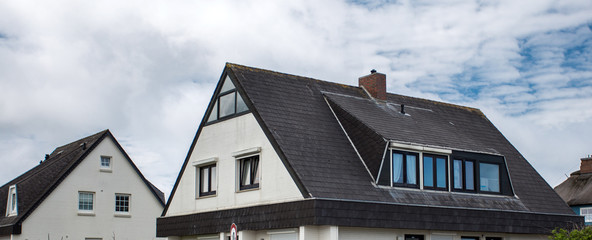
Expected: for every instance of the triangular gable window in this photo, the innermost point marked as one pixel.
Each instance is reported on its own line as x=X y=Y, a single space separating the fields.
x=228 y=102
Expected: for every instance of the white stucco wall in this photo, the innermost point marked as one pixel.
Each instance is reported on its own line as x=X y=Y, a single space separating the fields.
x=57 y=217
x=219 y=141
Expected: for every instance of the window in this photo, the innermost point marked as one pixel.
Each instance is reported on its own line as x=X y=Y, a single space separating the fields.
x=493 y=238
x=413 y=237
x=489 y=177
x=207 y=180
x=587 y=213
x=12 y=208
x=85 y=201
x=463 y=172
x=469 y=238
x=122 y=203
x=405 y=169
x=105 y=163
x=249 y=173
x=435 y=172
x=227 y=103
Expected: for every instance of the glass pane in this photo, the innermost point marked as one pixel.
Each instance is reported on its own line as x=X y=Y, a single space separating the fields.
x=489 y=177
x=214 y=113
x=411 y=169
x=205 y=176
x=227 y=85
x=441 y=172
x=469 y=175
x=226 y=105
x=241 y=106
x=428 y=171
x=246 y=173
x=457 y=173
x=255 y=166
x=213 y=186
x=397 y=168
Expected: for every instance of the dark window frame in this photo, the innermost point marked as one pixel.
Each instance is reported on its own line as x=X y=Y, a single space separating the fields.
x=414 y=237
x=505 y=183
x=251 y=184
x=202 y=192
x=404 y=170
x=464 y=175
x=216 y=105
x=435 y=172
x=499 y=176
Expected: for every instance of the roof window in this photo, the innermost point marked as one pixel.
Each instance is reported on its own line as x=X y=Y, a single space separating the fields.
x=12 y=206
x=227 y=103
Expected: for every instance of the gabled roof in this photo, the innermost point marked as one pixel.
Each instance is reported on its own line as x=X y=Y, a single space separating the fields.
x=305 y=118
x=35 y=185
x=577 y=189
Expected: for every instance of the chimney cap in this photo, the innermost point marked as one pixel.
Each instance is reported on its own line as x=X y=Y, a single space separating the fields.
x=373 y=71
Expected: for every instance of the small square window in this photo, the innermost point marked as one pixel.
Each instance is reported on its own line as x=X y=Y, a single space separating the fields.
x=122 y=203
x=86 y=201
x=207 y=180
x=105 y=162
x=587 y=213
x=249 y=173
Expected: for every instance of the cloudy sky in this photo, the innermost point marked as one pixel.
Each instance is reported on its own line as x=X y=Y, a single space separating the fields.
x=146 y=70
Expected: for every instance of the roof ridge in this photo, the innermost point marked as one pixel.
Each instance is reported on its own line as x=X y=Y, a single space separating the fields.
x=472 y=109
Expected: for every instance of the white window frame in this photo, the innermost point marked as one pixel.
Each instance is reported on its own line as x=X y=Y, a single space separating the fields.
x=129 y=205
x=106 y=168
x=588 y=215
x=86 y=212
x=12 y=203
x=198 y=165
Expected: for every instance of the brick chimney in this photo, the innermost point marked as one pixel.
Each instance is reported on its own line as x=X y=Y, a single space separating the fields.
x=375 y=84
x=586 y=165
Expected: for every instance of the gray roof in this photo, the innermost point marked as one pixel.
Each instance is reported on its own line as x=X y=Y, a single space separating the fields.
x=301 y=118
x=577 y=189
x=36 y=184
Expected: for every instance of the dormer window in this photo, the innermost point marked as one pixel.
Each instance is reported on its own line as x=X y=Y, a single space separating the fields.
x=444 y=170
x=12 y=208
x=228 y=102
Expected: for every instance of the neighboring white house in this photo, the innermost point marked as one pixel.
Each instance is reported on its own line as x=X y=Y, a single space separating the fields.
x=88 y=189
x=295 y=158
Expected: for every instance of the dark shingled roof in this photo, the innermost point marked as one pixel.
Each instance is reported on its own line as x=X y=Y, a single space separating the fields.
x=577 y=189
x=36 y=184
x=305 y=119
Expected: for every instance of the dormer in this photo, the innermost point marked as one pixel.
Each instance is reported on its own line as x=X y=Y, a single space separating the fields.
x=12 y=203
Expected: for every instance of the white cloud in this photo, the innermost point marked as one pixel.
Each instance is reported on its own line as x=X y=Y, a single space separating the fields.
x=147 y=70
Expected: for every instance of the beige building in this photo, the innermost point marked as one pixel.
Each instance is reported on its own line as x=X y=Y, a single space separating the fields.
x=89 y=189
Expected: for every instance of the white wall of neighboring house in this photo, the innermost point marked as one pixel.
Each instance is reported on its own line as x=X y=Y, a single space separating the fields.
x=5 y=238
x=220 y=141
x=58 y=216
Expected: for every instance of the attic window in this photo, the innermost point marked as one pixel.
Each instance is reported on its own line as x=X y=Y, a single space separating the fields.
x=228 y=102
x=12 y=208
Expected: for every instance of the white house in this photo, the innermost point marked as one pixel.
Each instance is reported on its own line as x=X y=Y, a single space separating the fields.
x=88 y=189
x=295 y=158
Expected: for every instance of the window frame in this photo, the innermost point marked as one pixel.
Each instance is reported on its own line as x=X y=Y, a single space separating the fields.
x=505 y=184
x=129 y=203
x=92 y=205
x=216 y=105
x=435 y=175
x=587 y=217
x=464 y=175
x=253 y=175
x=108 y=168
x=209 y=166
x=499 y=176
x=404 y=169
x=12 y=203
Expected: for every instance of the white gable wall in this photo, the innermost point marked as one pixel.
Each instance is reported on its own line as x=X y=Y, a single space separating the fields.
x=57 y=217
x=219 y=141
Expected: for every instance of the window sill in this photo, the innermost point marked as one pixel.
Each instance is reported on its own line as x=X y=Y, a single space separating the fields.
x=248 y=189
x=90 y=214
x=105 y=170
x=207 y=196
x=122 y=215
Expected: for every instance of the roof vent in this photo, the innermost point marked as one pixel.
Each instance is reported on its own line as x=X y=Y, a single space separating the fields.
x=403 y=109
x=46 y=157
x=83 y=145
x=375 y=84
